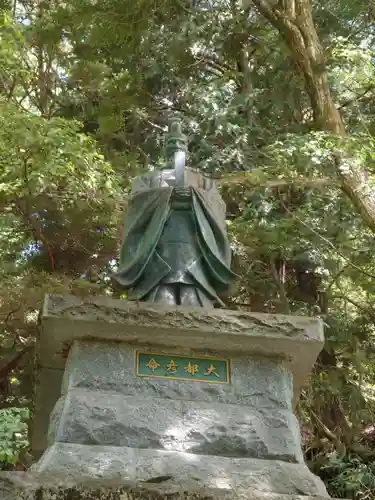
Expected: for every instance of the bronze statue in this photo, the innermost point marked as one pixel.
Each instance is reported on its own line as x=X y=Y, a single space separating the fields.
x=175 y=248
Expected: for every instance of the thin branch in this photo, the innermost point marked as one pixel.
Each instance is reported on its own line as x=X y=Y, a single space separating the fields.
x=328 y=242
x=366 y=310
x=360 y=96
x=245 y=177
x=340 y=447
x=280 y=285
x=36 y=230
x=336 y=276
x=8 y=367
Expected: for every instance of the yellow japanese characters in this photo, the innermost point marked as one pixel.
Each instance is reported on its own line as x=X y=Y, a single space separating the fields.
x=177 y=367
x=171 y=366
x=211 y=370
x=153 y=365
x=191 y=369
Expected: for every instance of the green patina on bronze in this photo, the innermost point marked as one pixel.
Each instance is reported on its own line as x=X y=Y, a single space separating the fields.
x=175 y=139
x=194 y=369
x=175 y=248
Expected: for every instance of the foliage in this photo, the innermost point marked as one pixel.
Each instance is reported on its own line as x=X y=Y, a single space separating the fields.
x=83 y=109
x=13 y=434
x=351 y=477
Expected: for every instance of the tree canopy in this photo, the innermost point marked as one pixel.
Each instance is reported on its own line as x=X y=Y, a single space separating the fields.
x=278 y=102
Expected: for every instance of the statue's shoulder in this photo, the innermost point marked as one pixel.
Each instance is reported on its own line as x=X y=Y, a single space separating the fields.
x=208 y=190
x=154 y=179
x=145 y=181
x=199 y=180
x=157 y=179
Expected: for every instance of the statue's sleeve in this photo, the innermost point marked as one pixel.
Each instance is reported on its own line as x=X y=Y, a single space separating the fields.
x=208 y=191
x=212 y=235
x=142 y=183
x=144 y=221
x=213 y=198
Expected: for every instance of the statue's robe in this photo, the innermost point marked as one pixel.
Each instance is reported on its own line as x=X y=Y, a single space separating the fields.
x=168 y=240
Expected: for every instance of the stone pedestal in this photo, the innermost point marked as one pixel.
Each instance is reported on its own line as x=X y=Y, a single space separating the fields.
x=122 y=412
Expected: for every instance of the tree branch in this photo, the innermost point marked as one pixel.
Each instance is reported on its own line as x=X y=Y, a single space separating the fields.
x=245 y=178
x=12 y=364
x=36 y=230
x=328 y=242
x=297 y=29
x=340 y=447
x=358 y=97
x=280 y=286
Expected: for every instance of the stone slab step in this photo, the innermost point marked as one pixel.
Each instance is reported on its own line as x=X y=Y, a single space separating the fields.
x=22 y=486
x=186 y=470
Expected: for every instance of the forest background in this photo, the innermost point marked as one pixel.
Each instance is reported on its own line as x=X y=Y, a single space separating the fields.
x=278 y=101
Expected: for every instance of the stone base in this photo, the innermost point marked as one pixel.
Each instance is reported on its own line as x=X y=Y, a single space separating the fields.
x=119 y=431
x=184 y=470
x=25 y=486
x=101 y=336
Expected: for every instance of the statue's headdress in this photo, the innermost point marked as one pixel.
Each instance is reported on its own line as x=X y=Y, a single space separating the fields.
x=175 y=140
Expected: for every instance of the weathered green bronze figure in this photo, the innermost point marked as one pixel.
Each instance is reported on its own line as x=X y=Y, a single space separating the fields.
x=175 y=248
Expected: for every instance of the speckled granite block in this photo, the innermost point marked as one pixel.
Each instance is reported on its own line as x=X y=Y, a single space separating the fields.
x=110 y=367
x=103 y=418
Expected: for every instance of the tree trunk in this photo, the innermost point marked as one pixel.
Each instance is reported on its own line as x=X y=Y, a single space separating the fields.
x=294 y=21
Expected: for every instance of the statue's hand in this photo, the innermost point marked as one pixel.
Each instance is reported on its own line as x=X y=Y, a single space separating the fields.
x=182 y=192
